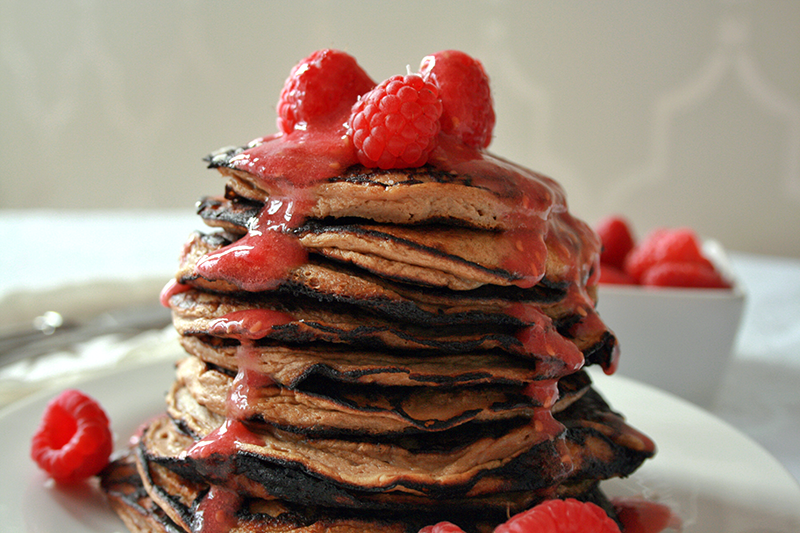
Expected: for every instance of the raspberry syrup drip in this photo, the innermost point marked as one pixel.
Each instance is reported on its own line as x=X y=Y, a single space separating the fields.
x=249 y=383
x=261 y=259
x=547 y=428
x=541 y=338
x=248 y=324
x=245 y=391
x=172 y=288
x=216 y=512
x=224 y=441
x=543 y=392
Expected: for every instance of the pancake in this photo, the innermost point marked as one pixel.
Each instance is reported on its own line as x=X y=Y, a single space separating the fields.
x=339 y=284
x=324 y=405
x=199 y=399
x=207 y=314
x=134 y=498
x=406 y=196
x=457 y=258
x=363 y=474
x=600 y=446
x=290 y=366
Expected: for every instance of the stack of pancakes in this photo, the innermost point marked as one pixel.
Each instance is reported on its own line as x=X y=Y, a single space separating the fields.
x=397 y=372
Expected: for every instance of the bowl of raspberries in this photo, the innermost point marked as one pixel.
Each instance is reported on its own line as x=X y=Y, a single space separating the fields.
x=674 y=305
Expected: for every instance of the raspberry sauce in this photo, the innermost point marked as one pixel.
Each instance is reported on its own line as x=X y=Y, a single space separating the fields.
x=216 y=511
x=248 y=384
x=641 y=516
x=171 y=289
x=261 y=259
x=299 y=159
x=541 y=338
x=249 y=324
x=243 y=394
x=544 y=394
x=223 y=441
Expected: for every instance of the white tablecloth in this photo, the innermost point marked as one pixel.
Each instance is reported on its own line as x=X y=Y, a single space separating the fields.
x=84 y=262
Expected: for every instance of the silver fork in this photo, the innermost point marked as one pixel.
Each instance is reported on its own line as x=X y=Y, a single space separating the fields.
x=51 y=332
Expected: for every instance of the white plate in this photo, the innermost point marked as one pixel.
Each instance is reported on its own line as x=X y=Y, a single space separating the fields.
x=716 y=479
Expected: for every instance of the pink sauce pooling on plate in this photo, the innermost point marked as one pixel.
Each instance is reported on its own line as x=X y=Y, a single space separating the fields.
x=641 y=516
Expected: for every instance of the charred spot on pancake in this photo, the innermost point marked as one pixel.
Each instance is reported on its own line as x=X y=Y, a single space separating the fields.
x=233 y=215
x=602 y=352
x=601 y=443
x=222 y=156
x=124 y=488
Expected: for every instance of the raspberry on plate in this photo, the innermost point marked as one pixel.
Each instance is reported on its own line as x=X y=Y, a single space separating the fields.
x=560 y=516
x=396 y=123
x=467 y=108
x=73 y=441
x=323 y=85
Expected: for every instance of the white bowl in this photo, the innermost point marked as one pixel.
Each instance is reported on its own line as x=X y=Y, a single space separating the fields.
x=679 y=340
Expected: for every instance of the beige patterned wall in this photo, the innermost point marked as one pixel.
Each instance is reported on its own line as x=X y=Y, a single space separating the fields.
x=671 y=112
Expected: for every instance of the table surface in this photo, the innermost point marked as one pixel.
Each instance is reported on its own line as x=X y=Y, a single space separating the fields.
x=89 y=259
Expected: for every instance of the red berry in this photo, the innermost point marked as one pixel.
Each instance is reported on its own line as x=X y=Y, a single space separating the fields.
x=74 y=440
x=467 y=109
x=680 y=245
x=442 y=527
x=617 y=238
x=396 y=123
x=560 y=516
x=612 y=275
x=643 y=255
x=684 y=274
x=666 y=246
x=321 y=86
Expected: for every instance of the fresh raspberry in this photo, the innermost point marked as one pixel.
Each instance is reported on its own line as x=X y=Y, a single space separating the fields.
x=680 y=245
x=617 y=238
x=611 y=275
x=560 y=516
x=74 y=440
x=442 y=527
x=665 y=245
x=643 y=255
x=323 y=85
x=684 y=274
x=467 y=109
x=396 y=123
